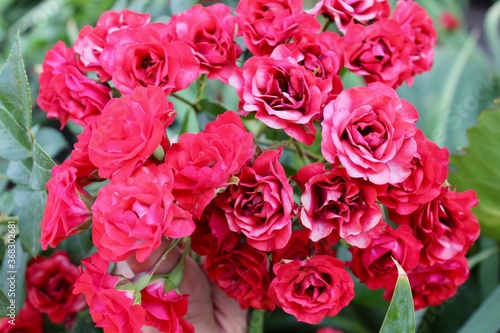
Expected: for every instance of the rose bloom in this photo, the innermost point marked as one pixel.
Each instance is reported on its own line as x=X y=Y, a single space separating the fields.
x=49 y=287
x=346 y=12
x=312 y=289
x=28 y=320
x=205 y=161
x=429 y=171
x=209 y=31
x=379 y=52
x=282 y=93
x=445 y=225
x=243 y=275
x=111 y=309
x=449 y=21
x=129 y=131
x=131 y=216
x=65 y=93
x=418 y=27
x=144 y=57
x=66 y=211
x=260 y=205
x=333 y=202
x=328 y=330
x=165 y=310
x=374 y=265
x=86 y=171
x=91 y=41
x=300 y=247
x=266 y=24
x=370 y=131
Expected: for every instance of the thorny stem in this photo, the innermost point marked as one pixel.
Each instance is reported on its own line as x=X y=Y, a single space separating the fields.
x=155 y=266
x=326 y=25
x=288 y=144
x=195 y=107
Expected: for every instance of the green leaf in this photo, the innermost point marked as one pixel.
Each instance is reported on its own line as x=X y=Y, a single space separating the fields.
x=478 y=169
x=485 y=318
x=177 y=6
x=400 y=316
x=30 y=205
x=4 y=303
x=51 y=140
x=42 y=165
x=15 y=142
x=12 y=277
x=14 y=88
x=19 y=171
x=211 y=107
x=492 y=31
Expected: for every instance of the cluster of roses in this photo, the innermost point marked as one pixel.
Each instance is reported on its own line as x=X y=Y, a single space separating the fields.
x=234 y=200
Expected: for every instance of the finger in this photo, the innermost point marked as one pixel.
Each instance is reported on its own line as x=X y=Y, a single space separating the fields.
x=229 y=316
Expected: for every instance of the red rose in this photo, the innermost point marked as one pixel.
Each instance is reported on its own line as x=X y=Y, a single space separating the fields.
x=429 y=170
x=144 y=56
x=418 y=27
x=86 y=172
x=165 y=310
x=328 y=330
x=370 y=131
x=312 y=289
x=300 y=247
x=209 y=31
x=111 y=309
x=242 y=274
x=266 y=24
x=91 y=41
x=346 y=12
x=374 y=265
x=446 y=225
x=282 y=93
x=333 y=202
x=260 y=205
x=131 y=216
x=449 y=21
x=28 y=320
x=66 y=212
x=49 y=286
x=205 y=161
x=379 y=52
x=117 y=149
x=65 y=93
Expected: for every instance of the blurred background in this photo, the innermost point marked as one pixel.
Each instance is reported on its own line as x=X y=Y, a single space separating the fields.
x=451 y=100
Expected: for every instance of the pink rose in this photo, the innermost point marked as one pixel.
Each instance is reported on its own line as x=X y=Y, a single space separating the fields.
x=300 y=247
x=91 y=41
x=429 y=170
x=260 y=205
x=374 y=265
x=282 y=93
x=205 y=161
x=242 y=274
x=117 y=149
x=111 y=309
x=312 y=289
x=346 y=12
x=49 y=287
x=445 y=225
x=131 y=216
x=266 y=24
x=144 y=57
x=370 y=130
x=333 y=202
x=209 y=31
x=86 y=171
x=66 y=211
x=379 y=52
x=65 y=93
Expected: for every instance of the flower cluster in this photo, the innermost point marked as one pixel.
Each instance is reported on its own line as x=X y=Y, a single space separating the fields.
x=269 y=236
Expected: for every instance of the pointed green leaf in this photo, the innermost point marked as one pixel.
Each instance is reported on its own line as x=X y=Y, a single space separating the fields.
x=17 y=271
x=30 y=205
x=4 y=303
x=42 y=165
x=19 y=171
x=14 y=88
x=478 y=169
x=485 y=318
x=400 y=316
x=15 y=142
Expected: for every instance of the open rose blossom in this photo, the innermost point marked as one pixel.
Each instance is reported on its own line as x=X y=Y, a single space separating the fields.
x=28 y=320
x=111 y=309
x=333 y=202
x=370 y=130
x=91 y=41
x=131 y=216
x=49 y=287
x=282 y=93
x=209 y=31
x=204 y=162
x=117 y=149
x=346 y=12
x=266 y=24
x=65 y=92
x=66 y=212
x=312 y=289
